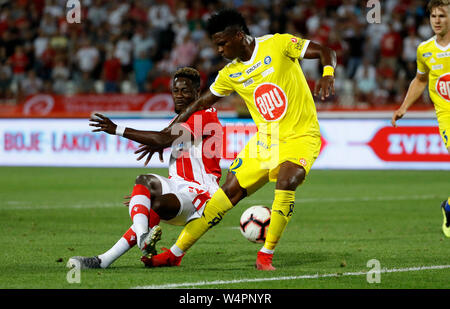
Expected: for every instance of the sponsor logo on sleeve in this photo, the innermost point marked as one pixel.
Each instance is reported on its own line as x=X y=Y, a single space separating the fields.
x=234 y=75
x=303 y=162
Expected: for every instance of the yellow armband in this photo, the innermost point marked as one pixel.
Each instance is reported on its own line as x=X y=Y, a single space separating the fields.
x=328 y=70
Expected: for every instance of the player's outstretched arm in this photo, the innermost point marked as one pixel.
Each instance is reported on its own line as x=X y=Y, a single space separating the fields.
x=154 y=138
x=327 y=57
x=415 y=90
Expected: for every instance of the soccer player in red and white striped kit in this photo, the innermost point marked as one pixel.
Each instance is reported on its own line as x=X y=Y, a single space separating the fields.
x=194 y=174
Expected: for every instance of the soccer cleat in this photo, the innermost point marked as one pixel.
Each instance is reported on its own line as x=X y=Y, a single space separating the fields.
x=264 y=261
x=149 y=240
x=167 y=258
x=446 y=223
x=83 y=262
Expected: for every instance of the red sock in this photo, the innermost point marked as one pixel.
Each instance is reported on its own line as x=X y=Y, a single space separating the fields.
x=154 y=218
x=140 y=203
x=140 y=209
x=130 y=237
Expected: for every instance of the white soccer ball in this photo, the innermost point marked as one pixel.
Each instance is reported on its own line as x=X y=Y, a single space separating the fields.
x=254 y=223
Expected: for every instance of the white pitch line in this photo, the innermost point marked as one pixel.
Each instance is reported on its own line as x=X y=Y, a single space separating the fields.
x=315 y=276
x=23 y=205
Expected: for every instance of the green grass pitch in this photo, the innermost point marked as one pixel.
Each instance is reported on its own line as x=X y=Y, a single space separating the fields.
x=342 y=219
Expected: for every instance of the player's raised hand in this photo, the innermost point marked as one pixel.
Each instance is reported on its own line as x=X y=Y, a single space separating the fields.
x=399 y=113
x=148 y=151
x=103 y=123
x=326 y=86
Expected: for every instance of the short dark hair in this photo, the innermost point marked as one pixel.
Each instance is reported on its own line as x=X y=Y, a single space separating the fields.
x=436 y=3
x=189 y=73
x=224 y=19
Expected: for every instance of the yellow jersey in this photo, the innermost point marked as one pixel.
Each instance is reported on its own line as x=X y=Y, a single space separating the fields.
x=434 y=60
x=273 y=86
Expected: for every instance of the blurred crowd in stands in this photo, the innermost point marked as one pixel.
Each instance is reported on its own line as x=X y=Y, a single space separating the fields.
x=134 y=46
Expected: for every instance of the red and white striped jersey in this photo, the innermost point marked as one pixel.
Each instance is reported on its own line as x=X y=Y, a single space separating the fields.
x=197 y=159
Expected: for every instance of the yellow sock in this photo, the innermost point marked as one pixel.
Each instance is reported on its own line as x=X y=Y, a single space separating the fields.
x=214 y=211
x=282 y=209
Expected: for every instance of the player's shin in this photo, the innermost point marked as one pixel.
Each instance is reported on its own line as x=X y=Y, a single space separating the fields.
x=282 y=209
x=213 y=213
x=139 y=209
x=127 y=241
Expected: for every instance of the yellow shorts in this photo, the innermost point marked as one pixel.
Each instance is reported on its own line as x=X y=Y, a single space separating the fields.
x=259 y=162
x=444 y=128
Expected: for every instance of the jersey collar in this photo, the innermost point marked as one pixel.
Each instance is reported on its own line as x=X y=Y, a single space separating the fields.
x=443 y=48
x=255 y=51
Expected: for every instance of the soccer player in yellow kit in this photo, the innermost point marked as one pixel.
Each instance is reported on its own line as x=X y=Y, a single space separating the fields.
x=266 y=73
x=433 y=68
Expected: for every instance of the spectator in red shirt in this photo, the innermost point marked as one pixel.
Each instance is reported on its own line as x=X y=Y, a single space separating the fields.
x=386 y=78
x=46 y=62
x=112 y=73
x=138 y=12
x=161 y=83
x=391 y=46
x=19 y=62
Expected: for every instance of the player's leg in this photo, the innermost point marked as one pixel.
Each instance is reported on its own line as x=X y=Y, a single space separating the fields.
x=296 y=157
x=125 y=243
x=160 y=206
x=444 y=129
x=221 y=202
x=445 y=206
x=165 y=205
x=146 y=208
x=290 y=177
x=192 y=198
x=244 y=177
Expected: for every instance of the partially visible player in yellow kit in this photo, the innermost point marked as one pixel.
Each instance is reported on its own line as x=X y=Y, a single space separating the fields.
x=266 y=73
x=433 y=68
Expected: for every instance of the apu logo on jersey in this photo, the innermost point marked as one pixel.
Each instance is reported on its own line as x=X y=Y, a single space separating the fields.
x=443 y=86
x=426 y=55
x=234 y=75
x=271 y=101
x=267 y=60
